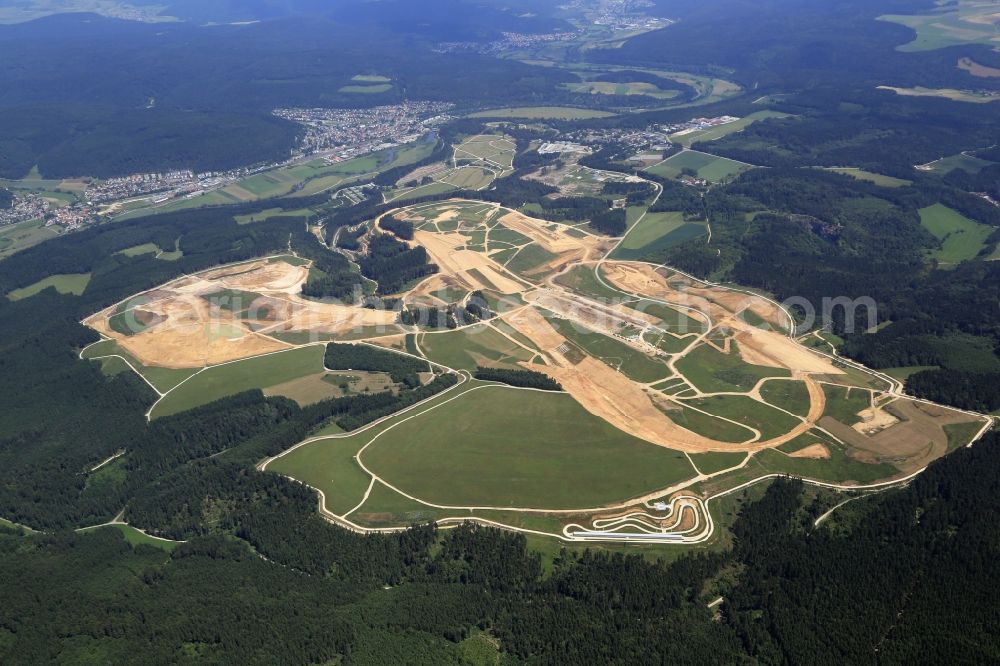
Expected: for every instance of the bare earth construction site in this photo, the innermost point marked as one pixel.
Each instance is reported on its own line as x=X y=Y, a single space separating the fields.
x=674 y=392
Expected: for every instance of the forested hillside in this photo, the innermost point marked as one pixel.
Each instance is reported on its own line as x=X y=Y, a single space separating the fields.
x=192 y=554
x=373 y=599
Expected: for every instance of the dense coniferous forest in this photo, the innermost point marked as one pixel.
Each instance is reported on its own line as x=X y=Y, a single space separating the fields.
x=522 y=378
x=66 y=141
x=64 y=110
x=623 y=608
x=978 y=391
x=401 y=228
x=609 y=222
x=903 y=576
x=392 y=263
x=402 y=369
x=446 y=317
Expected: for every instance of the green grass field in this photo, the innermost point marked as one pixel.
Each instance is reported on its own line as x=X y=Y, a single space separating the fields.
x=265 y=215
x=710 y=167
x=877 y=178
x=791 y=396
x=709 y=463
x=709 y=426
x=529 y=258
x=961 y=434
x=658 y=231
x=520 y=448
x=961 y=238
x=386 y=508
x=715 y=133
x=253 y=373
x=542 y=113
x=948 y=24
x=843 y=404
x=139 y=250
x=964 y=162
x=714 y=372
x=838 y=468
x=629 y=88
x=163 y=379
x=329 y=465
x=631 y=362
x=135 y=537
x=769 y=421
x=581 y=279
x=469 y=177
x=20 y=236
x=399 y=196
x=670 y=319
x=74 y=284
x=468 y=348
x=373 y=89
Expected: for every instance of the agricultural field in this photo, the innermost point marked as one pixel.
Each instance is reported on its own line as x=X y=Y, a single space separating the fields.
x=261 y=372
x=951 y=24
x=688 y=139
x=945 y=165
x=265 y=215
x=475 y=163
x=973 y=97
x=523 y=449
x=296 y=180
x=709 y=167
x=365 y=89
x=477 y=346
x=20 y=236
x=542 y=113
x=625 y=89
x=659 y=390
x=877 y=178
x=658 y=231
x=64 y=284
x=961 y=238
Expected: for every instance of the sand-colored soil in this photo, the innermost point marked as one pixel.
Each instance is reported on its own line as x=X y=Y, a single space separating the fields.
x=500 y=281
x=446 y=215
x=914 y=441
x=873 y=420
x=187 y=336
x=445 y=250
x=567 y=248
x=607 y=393
x=974 y=68
x=816 y=451
x=607 y=317
x=757 y=346
x=189 y=332
x=185 y=330
x=555 y=241
x=774 y=350
x=531 y=324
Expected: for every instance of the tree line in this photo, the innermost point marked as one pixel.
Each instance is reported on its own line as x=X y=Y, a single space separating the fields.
x=519 y=377
x=401 y=368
